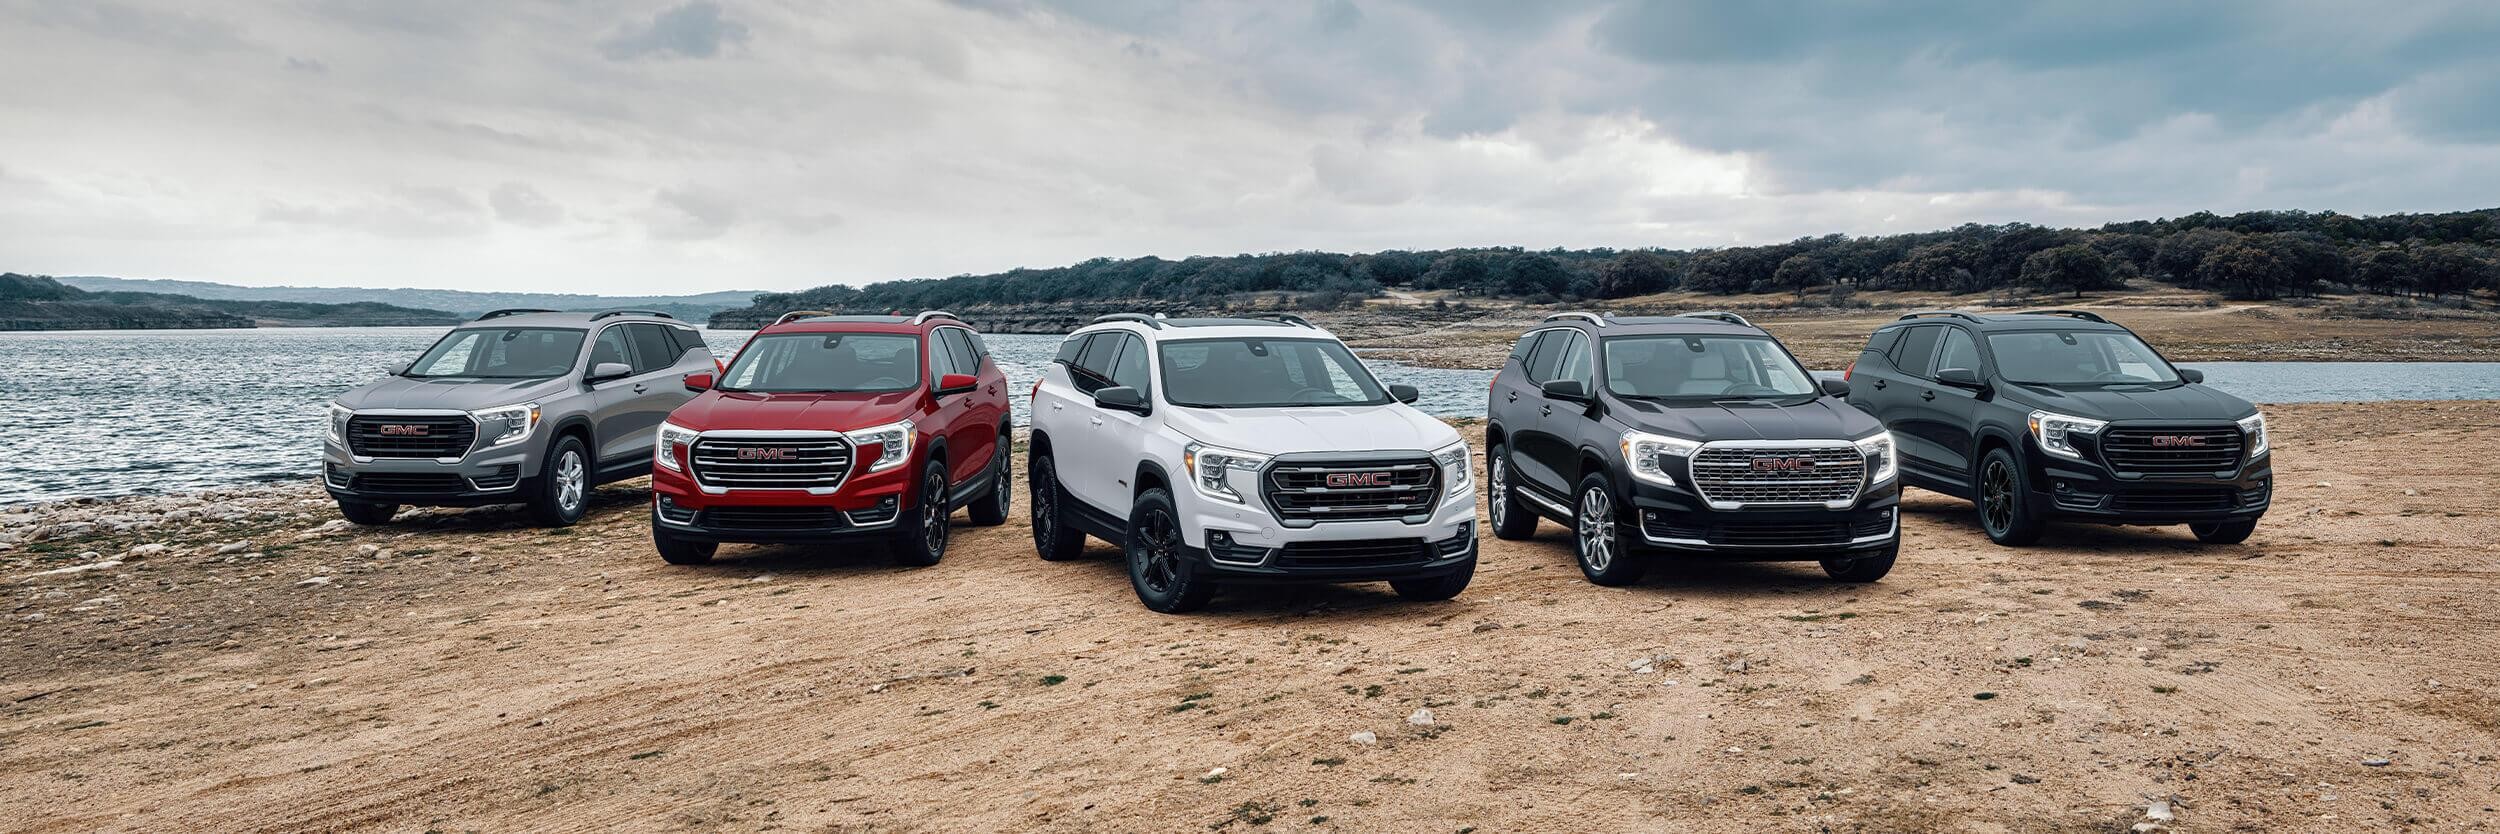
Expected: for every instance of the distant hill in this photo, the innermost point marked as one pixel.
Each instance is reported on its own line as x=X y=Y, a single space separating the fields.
x=460 y=302
x=35 y=302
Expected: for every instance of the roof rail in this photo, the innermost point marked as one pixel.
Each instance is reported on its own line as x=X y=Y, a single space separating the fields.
x=1716 y=315
x=2072 y=314
x=1287 y=318
x=514 y=311
x=795 y=315
x=609 y=313
x=1593 y=318
x=926 y=315
x=1934 y=313
x=1141 y=318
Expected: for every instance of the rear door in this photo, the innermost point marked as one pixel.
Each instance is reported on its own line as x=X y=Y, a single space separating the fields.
x=1537 y=440
x=1905 y=399
x=616 y=410
x=1950 y=419
x=1083 y=445
x=968 y=424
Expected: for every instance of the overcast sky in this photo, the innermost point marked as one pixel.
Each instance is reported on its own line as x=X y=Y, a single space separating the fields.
x=621 y=145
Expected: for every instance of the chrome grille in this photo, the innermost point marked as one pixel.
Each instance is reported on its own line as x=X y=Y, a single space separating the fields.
x=2201 y=450
x=1797 y=475
x=411 y=436
x=818 y=463
x=1390 y=488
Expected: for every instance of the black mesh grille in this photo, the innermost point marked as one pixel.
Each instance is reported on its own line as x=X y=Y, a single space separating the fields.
x=408 y=483
x=2182 y=451
x=1354 y=553
x=1352 y=490
x=771 y=463
x=1837 y=530
x=770 y=519
x=436 y=436
x=2176 y=500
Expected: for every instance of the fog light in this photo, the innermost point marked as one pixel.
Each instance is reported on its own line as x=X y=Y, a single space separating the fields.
x=1219 y=538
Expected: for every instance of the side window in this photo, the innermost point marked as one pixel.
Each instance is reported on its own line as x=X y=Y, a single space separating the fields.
x=1917 y=348
x=1130 y=369
x=1519 y=352
x=942 y=359
x=1576 y=366
x=966 y=360
x=687 y=341
x=1959 y=351
x=1882 y=341
x=653 y=350
x=980 y=349
x=1069 y=349
x=611 y=347
x=1547 y=354
x=1092 y=371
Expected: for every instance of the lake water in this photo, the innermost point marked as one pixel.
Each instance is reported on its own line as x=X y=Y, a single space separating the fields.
x=122 y=412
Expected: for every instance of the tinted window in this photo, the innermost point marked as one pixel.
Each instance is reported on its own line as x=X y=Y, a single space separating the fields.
x=1068 y=350
x=1547 y=354
x=501 y=353
x=1712 y=367
x=980 y=349
x=2078 y=358
x=1960 y=351
x=1130 y=368
x=1519 y=352
x=1092 y=371
x=1576 y=366
x=1265 y=373
x=687 y=341
x=966 y=360
x=829 y=362
x=613 y=346
x=1882 y=341
x=653 y=350
x=942 y=359
x=1917 y=347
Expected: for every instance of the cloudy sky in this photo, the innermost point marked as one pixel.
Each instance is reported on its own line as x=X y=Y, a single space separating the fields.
x=623 y=145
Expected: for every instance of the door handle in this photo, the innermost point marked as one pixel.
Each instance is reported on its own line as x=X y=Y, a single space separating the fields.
x=1545 y=411
x=1513 y=396
x=1926 y=395
x=1057 y=407
x=638 y=388
x=1097 y=421
x=1879 y=385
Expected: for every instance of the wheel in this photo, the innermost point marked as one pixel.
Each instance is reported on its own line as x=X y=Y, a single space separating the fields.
x=1437 y=588
x=1867 y=568
x=992 y=509
x=920 y=539
x=677 y=551
x=1594 y=533
x=2224 y=532
x=561 y=494
x=358 y=512
x=1165 y=578
x=2005 y=510
x=1052 y=537
x=1511 y=519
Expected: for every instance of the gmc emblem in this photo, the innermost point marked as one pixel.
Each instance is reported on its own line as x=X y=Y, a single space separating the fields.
x=2177 y=440
x=1782 y=464
x=404 y=431
x=768 y=454
x=1358 y=479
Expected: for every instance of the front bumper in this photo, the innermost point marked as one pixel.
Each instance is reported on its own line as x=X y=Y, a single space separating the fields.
x=484 y=477
x=1674 y=521
x=868 y=504
x=1242 y=543
x=2086 y=491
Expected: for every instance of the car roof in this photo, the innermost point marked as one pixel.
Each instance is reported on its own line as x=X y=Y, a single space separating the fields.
x=2026 y=320
x=809 y=321
x=1683 y=324
x=1212 y=327
x=568 y=318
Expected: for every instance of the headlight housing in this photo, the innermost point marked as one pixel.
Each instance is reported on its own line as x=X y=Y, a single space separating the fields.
x=2254 y=426
x=2055 y=432
x=507 y=425
x=1453 y=461
x=1883 y=458
x=339 y=415
x=1641 y=451
x=1211 y=468
x=893 y=442
x=671 y=451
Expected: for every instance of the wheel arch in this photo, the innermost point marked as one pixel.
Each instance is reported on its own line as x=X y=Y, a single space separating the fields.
x=1150 y=474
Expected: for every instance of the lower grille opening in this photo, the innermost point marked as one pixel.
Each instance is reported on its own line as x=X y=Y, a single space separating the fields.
x=1354 y=553
x=408 y=483
x=771 y=519
x=2176 y=500
x=1840 y=529
x=671 y=512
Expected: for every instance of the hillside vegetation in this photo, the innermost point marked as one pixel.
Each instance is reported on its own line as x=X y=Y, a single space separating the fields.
x=35 y=302
x=462 y=303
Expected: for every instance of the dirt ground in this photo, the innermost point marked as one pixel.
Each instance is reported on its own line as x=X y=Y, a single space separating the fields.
x=462 y=672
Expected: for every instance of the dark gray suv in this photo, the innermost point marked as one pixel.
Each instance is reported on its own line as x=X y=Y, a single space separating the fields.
x=518 y=407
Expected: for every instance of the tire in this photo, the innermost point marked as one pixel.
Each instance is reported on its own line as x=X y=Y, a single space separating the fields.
x=561 y=493
x=1512 y=520
x=2004 y=501
x=1596 y=536
x=993 y=508
x=1437 y=588
x=1159 y=567
x=367 y=515
x=1863 y=568
x=2224 y=532
x=677 y=551
x=920 y=537
x=1052 y=537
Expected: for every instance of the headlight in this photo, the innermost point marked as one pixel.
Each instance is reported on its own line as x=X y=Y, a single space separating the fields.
x=2055 y=432
x=893 y=442
x=1881 y=458
x=671 y=452
x=507 y=425
x=339 y=415
x=1641 y=451
x=1453 y=461
x=1211 y=467
x=2254 y=426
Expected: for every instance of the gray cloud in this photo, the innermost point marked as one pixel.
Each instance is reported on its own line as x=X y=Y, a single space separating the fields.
x=694 y=30
x=519 y=204
x=691 y=214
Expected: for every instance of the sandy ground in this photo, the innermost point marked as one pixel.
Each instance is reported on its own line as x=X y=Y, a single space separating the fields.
x=464 y=672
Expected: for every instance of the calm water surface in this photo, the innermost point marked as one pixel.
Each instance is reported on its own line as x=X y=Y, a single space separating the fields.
x=122 y=412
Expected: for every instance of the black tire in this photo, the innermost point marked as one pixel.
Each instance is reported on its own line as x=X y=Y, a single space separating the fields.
x=2224 y=532
x=560 y=495
x=2005 y=511
x=1512 y=519
x=1159 y=567
x=920 y=536
x=993 y=507
x=1596 y=536
x=1437 y=588
x=1052 y=537
x=677 y=551
x=368 y=515
x=1867 y=568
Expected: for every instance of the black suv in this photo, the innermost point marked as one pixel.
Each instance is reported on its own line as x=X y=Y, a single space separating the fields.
x=2061 y=414
x=1696 y=434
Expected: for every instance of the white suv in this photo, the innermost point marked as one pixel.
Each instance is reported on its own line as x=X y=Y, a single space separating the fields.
x=1244 y=450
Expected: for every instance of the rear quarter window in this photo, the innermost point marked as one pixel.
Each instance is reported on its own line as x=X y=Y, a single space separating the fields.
x=1883 y=340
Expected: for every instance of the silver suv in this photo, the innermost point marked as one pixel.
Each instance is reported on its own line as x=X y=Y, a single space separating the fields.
x=528 y=407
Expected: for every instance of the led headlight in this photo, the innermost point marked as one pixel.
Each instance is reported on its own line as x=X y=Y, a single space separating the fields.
x=1453 y=461
x=2254 y=426
x=1882 y=459
x=2055 y=432
x=671 y=452
x=1641 y=451
x=1210 y=469
x=339 y=415
x=507 y=425
x=893 y=442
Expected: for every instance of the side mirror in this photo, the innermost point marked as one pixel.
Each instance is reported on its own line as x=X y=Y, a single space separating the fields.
x=1121 y=398
x=957 y=383
x=398 y=368
x=1565 y=389
x=1959 y=378
x=1836 y=387
x=605 y=371
x=1404 y=393
x=698 y=382
x=2192 y=375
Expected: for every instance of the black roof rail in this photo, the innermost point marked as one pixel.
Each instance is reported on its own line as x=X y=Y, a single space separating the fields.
x=611 y=313
x=795 y=315
x=1922 y=314
x=1592 y=317
x=1141 y=318
x=2085 y=315
x=926 y=315
x=1287 y=318
x=513 y=311
x=1716 y=315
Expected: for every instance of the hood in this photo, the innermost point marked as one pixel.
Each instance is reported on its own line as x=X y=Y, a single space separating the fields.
x=811 y=411
x=2135 y=402
x=1821 y=418
x=451 y=393
x=1394 y=427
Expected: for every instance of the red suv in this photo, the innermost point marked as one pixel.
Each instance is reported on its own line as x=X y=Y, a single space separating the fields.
x=836 y=428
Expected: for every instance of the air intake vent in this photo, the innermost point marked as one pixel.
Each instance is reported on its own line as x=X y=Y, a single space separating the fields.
x=818 y=463
x=430 y=436
x=2203 y=450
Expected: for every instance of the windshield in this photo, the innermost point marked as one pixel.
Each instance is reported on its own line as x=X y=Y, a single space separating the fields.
x=1703 y=367
x=826 y=362
x=1265 y=373
x=501 y=353
x=2088 y=357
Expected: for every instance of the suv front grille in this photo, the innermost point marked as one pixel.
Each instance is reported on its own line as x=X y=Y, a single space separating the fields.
x=1362 y=490
x=1354 y=553
x=1779 y=475
x=428 y=436
x=2184 y=451
x=771 y=463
